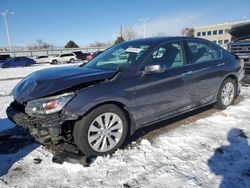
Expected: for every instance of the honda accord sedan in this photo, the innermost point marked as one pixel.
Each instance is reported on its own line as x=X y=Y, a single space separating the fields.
x=97 y=106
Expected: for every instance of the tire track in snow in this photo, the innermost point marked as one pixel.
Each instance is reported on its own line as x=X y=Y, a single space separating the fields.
x=12 y=78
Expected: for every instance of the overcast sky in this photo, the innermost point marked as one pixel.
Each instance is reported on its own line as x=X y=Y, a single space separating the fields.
x=87 y=21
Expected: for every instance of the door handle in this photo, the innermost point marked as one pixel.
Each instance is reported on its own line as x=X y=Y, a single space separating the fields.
x=221 y=64
x=187 y=73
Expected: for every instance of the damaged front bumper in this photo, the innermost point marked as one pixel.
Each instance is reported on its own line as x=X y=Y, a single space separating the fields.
x=46 y=129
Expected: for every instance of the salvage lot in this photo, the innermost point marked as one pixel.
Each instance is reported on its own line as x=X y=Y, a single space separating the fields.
x=204 y=148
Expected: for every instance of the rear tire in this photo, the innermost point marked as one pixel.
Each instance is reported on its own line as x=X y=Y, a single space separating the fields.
x=71 y=61
x=102 y=131
x=227 y=94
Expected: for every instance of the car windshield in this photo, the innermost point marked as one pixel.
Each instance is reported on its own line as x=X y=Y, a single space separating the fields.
x=120 y=56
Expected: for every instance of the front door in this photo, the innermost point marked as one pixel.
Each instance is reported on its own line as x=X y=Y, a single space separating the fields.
x=159 y=94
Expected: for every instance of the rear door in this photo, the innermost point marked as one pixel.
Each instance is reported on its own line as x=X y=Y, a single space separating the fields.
x=161 y=94
x=207 y=69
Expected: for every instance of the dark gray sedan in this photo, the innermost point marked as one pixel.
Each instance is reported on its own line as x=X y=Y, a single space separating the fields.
x=131 y=85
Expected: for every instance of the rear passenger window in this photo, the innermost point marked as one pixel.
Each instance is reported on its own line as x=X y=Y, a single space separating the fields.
x=201 y=52
x=168 y=55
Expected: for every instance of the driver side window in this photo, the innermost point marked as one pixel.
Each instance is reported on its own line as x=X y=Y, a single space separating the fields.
x=168 y=55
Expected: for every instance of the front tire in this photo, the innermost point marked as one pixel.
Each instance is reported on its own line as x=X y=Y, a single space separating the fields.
x=102 y=131
x=54 y=62
x=227 y=94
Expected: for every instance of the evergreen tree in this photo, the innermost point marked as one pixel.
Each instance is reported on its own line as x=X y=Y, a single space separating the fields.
x=71 y=44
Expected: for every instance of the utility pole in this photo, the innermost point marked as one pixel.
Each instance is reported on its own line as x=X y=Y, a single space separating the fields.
x=121 y=30
x=144 y=20
x=4 y=14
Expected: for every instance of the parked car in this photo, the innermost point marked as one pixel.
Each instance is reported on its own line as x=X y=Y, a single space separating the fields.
x=63 y=58
x=93 y=55
x=4 y=58
x=86 y=54
x=42 y=59
x=240 y=44
x=18 y=62
x=129 y=86
x=80 y=55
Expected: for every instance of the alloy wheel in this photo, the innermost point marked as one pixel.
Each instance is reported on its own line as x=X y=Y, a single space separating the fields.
x=105 y=132
x=227 y=94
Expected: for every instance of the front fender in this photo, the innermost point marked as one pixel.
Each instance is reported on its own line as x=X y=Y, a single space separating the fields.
x=106 y=92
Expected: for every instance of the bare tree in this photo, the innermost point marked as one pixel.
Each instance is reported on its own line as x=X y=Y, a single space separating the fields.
x=161 y=34
x=40 y=44
x=98 y=44
x=119 y=40
x=128 y=33
x=188 y=32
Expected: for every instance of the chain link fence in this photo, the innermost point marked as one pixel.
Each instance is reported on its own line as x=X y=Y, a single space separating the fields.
x=51 y=52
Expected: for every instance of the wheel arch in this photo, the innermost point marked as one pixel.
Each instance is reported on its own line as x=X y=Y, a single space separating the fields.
x=122 y=106
x=219 y=104
x=233 y=77
x=53 y=60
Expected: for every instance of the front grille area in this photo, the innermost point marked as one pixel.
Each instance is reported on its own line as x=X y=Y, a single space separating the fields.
x=16 y=112
x=44 y=128
x=242 y=49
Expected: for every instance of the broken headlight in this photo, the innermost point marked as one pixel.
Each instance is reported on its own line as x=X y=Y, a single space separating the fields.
x=48 y=105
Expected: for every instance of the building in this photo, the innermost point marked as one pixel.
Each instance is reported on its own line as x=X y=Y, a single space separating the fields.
x=216 y=33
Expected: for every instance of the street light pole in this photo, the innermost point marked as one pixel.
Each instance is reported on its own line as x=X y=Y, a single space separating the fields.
x=4 y=14
x=144 y=26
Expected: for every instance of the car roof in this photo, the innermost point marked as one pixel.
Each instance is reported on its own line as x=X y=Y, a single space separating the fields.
x=20 y=57
x=164 y=39
x=66 y=53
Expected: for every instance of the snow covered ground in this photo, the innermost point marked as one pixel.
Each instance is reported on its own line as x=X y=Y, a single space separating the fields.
x=22 y=72
x=209 y=152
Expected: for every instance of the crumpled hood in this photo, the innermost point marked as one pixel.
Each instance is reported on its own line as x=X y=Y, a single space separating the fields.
x=49 y=81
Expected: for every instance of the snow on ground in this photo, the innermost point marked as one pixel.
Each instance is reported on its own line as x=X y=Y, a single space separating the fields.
x=4 y=122
x=7 y=87
x=24 y=71
x=210 y=152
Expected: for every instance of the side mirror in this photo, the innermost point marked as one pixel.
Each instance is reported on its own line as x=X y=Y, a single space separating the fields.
x=152 y=69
